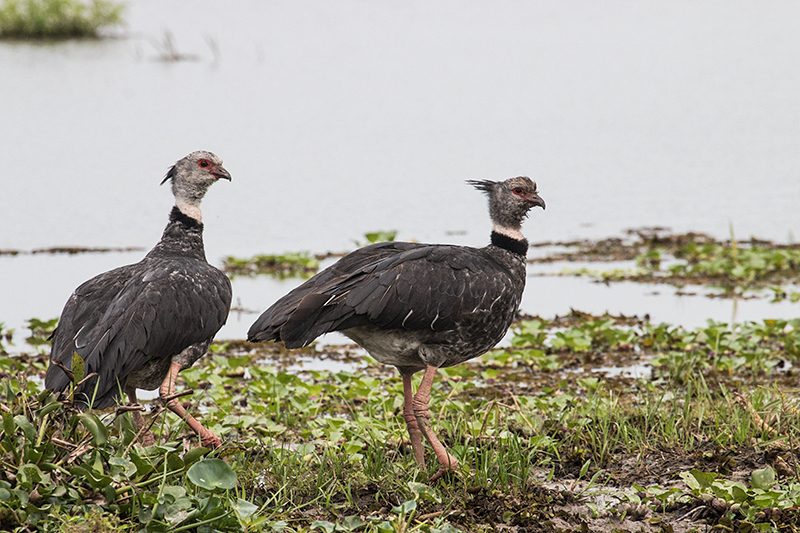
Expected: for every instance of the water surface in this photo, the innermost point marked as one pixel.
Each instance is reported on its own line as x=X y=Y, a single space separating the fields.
x=340 y=118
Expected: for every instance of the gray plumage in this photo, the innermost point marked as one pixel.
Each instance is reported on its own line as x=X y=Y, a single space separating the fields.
x=131 y=323
x=408 y=304
x=411 y=304
x=417 y=306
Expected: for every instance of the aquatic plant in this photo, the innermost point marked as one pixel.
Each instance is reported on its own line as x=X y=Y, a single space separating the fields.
x=318 y=450
x=373 y=237
x=6 y=335
x=41 y=333
x=693 y=259
x=289 y=265
x=57 y=19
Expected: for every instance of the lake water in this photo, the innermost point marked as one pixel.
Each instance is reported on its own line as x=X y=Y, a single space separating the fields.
x=340 y=118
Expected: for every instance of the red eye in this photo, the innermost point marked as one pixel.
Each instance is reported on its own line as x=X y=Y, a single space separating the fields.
x=518 y=190
x=203 y=163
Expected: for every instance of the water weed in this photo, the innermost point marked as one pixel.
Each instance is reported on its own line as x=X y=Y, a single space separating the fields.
x=57 y=19
x=543 y=436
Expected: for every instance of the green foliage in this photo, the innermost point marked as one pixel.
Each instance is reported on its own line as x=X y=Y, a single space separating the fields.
x=41 y=331
x=380 y=236
x=56 y=19
x=290 y=265
x=328 y=451
x=211 y=474
x=754 y=504
x=60 y=465
x=375 y=237
x=676 y=353
x=737 y=264
x=6 y=335
x=695 y=259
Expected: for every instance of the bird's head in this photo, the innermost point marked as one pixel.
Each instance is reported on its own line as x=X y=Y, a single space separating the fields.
x=191 y=177
x=509 y=201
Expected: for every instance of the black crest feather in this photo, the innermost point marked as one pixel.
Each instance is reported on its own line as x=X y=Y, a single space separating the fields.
x=170 y=174
x=483 y=185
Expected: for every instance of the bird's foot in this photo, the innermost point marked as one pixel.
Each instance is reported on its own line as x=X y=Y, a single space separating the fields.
x=210 y=441
x=147 y=438
x=445 y=468
x=447 y=464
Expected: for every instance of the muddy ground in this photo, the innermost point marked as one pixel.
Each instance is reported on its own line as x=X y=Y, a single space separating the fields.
x=569 y=502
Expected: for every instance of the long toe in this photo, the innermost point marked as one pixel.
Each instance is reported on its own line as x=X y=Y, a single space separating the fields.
x=147 y=438
x=210 y=441
x=445 y=468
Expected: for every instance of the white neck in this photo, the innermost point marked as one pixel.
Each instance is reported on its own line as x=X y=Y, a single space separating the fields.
x=190 y=210
x=508 y=232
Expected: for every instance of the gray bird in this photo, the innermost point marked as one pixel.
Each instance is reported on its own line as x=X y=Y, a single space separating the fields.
x=138 y=325
x=417 y=306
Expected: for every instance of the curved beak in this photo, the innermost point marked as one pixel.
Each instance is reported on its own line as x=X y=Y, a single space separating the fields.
x=221 y=173
x=535 y=201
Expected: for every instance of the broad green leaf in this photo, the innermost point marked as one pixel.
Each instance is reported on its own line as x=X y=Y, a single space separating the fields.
x=763 y=479
x=244 y=509
x=193 y=455
x=424 y=491
x=211 y=474
x=78 y=367
x=351 y=523
x=697 y=479
x=405 y=507
x=25 y=425
x=125 y=464
x=96 y=427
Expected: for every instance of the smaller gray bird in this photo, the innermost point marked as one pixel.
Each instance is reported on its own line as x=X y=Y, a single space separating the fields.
x=417 y=306
x=139 y=325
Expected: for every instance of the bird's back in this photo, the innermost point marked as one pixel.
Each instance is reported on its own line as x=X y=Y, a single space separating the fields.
x=132 y=316
x=445 y=295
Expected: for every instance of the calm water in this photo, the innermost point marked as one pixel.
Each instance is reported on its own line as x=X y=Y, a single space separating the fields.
x=339 y=118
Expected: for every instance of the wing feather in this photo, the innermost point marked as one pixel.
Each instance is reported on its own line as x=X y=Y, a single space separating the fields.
x=392 y=285
x=124 y=318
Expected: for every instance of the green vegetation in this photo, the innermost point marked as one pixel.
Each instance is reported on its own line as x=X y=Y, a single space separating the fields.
x=6 y=336
x=711 y=435
x=377 y=236
x=290 y=265
x=56 y=19
x=693 y=259
x=41 y=330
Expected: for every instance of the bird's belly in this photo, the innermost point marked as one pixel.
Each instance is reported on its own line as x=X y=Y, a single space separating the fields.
x=387 y=346
x=150 y=376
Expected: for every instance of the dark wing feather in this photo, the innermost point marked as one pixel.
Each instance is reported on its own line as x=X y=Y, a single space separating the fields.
x=121 y=320
x=394 y=285
x=268 y=326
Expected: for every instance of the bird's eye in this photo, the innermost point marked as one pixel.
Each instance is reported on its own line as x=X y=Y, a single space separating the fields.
x=518 y=190
x=203 y=163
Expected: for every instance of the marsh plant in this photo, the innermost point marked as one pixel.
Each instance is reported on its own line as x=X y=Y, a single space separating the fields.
x=57 y=19
x=321 y=450
x=288 y=265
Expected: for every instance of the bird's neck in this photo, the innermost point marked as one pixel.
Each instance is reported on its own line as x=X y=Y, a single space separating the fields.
x=190 y=209
x=183 y=236
x=509 y=239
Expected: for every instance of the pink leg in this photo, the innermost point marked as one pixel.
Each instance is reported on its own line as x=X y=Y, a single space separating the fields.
x=447 y=463
x=166 y=390
x=411 y=421
x=146 y=437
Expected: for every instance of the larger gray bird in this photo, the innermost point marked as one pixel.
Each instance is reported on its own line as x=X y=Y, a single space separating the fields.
x=138 y=325
x=417 y=306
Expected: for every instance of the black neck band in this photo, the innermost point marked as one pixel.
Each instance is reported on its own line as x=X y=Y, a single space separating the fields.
x=176 y=215
x=512 y=245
